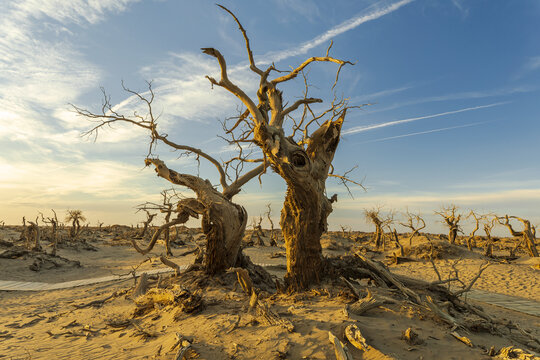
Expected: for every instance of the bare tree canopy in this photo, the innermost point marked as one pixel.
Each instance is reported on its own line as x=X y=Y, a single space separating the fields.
x=303 y=158
x=451 y=218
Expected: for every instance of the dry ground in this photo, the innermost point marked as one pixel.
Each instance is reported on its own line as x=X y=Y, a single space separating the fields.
x=52 y=324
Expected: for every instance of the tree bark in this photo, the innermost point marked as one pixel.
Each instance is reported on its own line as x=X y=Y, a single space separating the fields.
x=452 y=234
x=306 y=207
x=223 y=222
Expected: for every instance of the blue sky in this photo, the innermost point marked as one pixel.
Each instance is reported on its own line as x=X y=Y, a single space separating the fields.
x=455 y=87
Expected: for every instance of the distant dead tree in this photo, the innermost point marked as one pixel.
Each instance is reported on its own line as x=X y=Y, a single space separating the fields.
x=414 y=222
x=528 y=234
x=257 y=231
x=471 y=243
x=375 y=217
x=33 y=235
x=30 y=234
x=452 y=221
x=75 y=217
x=273 y=235
x=488 y=225
x=149 y=218
x=53 y=222
x=167 y=207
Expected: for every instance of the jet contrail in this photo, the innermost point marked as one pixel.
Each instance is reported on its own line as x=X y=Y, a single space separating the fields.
x=423 y=132
x=371 y=13
x=397 y=122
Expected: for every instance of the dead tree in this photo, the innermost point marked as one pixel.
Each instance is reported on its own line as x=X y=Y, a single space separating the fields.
x=53 y=221
x=415 y=223
x=302 y=158
x=257 y=231
x=451 y=220
x=273 y=235
x=471 y=239
x=146 y=223
x=527 y=235
x=223 y=221
x=375 y=217
x=75 y=216
x=33 y=236
x=166 y=207
x=488 y=226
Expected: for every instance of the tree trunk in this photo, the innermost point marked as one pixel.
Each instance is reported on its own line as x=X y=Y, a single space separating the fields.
x=223 y=222
x=452 y=234
x=530 y=243
x=377 y=237
x=303 y=221
x=306 y=207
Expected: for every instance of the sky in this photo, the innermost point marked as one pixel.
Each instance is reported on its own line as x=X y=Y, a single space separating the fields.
x=454 y=88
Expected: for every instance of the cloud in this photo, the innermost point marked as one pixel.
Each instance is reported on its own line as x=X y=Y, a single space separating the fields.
x=373 y=12
x=305 y=8
x=364 y=128
x=533 y=63
x=422 y=132
x=383 y=93
x=40 y=72
x=435 y=199
x=464 y=11
x=462 y=95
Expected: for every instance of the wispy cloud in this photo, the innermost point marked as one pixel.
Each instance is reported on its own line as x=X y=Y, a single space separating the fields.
x=532 y=63
x=423 y=132
x=383 y=93
x=305 y=8
x=363 y=128
x=480 y=94
x=40 y=72
x=373 y=12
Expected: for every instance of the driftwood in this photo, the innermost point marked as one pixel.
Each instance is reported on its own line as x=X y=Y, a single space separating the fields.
x=341 y=349
x=355 y=337
x=463 y=339
x=411 y=337
x=367 y=303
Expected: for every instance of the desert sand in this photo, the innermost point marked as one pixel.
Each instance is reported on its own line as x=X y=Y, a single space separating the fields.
x=213 y=316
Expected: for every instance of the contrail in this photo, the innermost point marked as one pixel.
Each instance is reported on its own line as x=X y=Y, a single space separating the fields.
x=397 y=122
x=423 y=132
x=371 y=13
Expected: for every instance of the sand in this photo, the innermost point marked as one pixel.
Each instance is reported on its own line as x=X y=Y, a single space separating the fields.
x=51 y=324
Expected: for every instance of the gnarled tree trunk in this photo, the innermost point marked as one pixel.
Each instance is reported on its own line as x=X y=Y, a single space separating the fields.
x=223 y=222
x=306 y=207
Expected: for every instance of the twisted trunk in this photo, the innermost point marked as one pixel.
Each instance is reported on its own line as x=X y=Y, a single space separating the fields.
x=452 y=234
x=223 y=222
x=306 y=207
x=303 y=221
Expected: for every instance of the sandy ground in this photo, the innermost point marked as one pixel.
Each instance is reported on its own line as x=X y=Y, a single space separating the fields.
x=53 y=325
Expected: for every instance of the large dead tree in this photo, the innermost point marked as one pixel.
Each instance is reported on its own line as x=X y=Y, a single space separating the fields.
x=223 y=222
x=452 y=221
x=527 y=235
x=303 y=158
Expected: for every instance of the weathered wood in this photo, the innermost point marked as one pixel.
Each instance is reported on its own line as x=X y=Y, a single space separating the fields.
x=355 y=337
x=339 y=347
